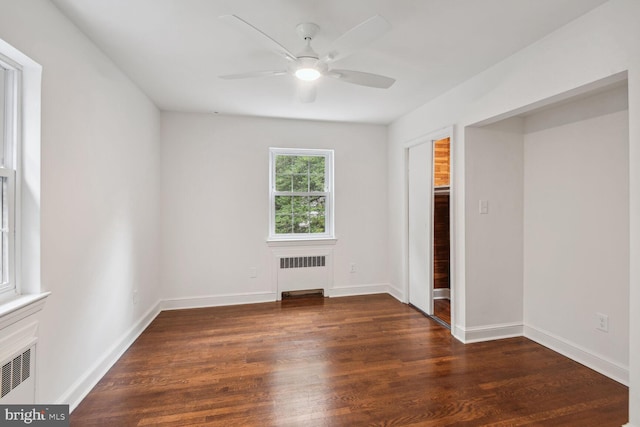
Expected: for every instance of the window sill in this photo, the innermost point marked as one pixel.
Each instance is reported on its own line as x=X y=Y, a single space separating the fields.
x=20 y=307
x=302 y=242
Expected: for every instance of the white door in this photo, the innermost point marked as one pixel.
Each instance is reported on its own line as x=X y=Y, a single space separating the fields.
x=420 y=220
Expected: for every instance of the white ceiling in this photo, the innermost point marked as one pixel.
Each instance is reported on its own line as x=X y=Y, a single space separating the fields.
x=175 y=49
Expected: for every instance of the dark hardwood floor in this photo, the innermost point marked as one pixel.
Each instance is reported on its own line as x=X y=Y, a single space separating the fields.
x=353 y=361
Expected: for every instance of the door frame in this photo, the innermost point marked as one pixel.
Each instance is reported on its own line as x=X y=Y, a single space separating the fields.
x=430 y=138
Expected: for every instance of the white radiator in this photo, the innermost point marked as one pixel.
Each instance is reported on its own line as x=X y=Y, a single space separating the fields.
x=18 y=363
x=18 y=383
x=302 y=269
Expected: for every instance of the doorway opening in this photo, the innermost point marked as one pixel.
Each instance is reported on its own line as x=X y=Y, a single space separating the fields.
x=441 y=284
x=430 y=247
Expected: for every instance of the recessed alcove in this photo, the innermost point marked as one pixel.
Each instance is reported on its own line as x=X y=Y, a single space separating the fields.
x=552 y=253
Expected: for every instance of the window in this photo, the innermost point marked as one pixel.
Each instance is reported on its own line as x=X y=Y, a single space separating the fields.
x=301 y=194
x=20 y=106
x=8 y=134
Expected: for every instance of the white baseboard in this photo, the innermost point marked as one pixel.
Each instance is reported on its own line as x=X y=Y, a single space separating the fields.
x=79 y=389
x=629 y=425
x=217 y=300
x=442 y=293
x=346 y=291
x=396 y=293
x=488 y=332
x=457 y=333
x=573 y=351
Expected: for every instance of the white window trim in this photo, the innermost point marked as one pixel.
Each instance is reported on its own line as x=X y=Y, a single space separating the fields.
x=328 y=236
x=26 y=118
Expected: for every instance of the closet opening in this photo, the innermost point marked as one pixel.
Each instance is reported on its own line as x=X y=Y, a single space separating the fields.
x=441 y=285
x=430 y=248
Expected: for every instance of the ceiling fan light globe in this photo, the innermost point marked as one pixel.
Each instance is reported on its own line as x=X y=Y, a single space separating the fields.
x=307 y=74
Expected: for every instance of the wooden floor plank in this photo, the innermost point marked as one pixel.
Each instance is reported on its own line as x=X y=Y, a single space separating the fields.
x=353 y=361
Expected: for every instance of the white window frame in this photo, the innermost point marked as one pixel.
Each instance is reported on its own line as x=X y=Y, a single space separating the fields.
x=328 y=191
x=11 y=171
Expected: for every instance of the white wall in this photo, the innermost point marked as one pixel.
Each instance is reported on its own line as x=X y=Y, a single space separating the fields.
x=494 y=241
x=215 y=204
x=100 y=199
x=576 y=244
x=595 y=46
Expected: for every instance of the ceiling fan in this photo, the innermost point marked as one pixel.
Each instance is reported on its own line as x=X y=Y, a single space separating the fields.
x=307 y=66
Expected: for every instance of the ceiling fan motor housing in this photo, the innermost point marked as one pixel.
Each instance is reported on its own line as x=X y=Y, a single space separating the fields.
x=307 y=31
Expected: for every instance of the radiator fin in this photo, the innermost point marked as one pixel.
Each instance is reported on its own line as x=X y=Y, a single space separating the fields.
x=26 y=364
x=15 y=371
x=6 y=379
x=303 y=261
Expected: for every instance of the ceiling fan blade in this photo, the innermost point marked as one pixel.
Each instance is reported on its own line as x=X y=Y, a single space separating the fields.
x=306 y=91
x=259 y=35
x=253 y=74
x=356 y=38
x=363 y=79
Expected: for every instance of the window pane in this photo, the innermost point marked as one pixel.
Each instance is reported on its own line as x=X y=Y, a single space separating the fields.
x=284 y=215
x=316 y=173
x=283 y=205
x=301 y=183
x=300 y=164
x=284 y=182
x=316 y=165
x=301 y=223
x=317 y=224
x=316 y=182
x=283 y=165
x=284 y=224
x=4 y=224
x=4 y=217
x=299 y=204
x=317 y=205
x=4 y=271
x=317 y=214
x=300 y=209
x=3 y=79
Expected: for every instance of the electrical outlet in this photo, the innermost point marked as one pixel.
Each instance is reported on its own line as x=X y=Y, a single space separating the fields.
x=135 y=297
x=352 y=268
x=483 y=207
x=253 y=272
x=602 y=322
